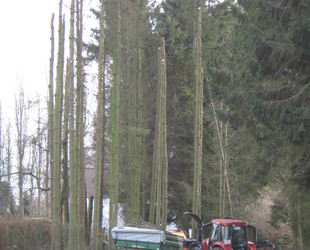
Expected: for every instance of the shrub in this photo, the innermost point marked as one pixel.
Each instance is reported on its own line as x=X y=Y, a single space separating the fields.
x=24 y=234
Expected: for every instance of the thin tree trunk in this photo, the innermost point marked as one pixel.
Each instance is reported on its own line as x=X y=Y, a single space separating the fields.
x=139 y=111
x=102 y=134
x=198 y=123
x=73 y=225
x=65 y=172
x=51 y=115
x=79 y=142
x=56 y=218
x=164 y=139
x=221 y=212
x=89 y=218
x=153 y=194
x=159 y=145
x=222 y=151
x=300 y=220
x=225 y=170
x=8 y=163
x=114 y=179
x=100 y=138
x=21 y=127
x=47 y=182
x=40 y=160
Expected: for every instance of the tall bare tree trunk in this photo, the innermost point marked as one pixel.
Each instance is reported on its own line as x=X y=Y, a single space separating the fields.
x=139 y=111
x=56 y=215
x=9 y=162
x=51 y=116
x=40 y=160
x=222 y=150
x=221 y=200
x=65 y=170
x=73 y=224
x=21 y=129
x=198 y=122
x=164 y=139
x=79 y=139
x=158 y=149
x=153 y=194
x=225 y=170
x=114 y=173
x=100 y=138
x=159 y=190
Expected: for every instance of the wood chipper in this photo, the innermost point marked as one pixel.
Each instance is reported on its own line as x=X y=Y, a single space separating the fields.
x=144 y=238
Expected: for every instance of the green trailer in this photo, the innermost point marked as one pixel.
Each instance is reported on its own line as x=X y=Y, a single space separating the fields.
x=144 y=238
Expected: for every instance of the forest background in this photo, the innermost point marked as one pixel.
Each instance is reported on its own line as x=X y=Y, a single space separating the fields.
x=255 y=147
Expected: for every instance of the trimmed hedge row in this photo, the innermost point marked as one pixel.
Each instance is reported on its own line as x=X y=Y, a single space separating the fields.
x=25 y=234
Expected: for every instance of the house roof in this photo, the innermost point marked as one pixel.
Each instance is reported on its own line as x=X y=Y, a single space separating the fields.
x=90 y=174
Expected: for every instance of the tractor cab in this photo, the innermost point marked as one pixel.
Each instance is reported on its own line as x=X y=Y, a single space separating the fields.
x=225 y=234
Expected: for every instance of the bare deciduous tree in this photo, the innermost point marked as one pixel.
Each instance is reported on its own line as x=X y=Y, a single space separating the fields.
x=21 y=122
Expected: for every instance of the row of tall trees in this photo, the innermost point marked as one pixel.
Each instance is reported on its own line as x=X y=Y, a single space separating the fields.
x=210 y=122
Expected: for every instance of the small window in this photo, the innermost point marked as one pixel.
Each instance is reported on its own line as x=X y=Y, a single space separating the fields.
x=215 y=231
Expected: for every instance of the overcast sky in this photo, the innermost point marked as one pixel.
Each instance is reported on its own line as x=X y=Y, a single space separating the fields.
x=25 y=46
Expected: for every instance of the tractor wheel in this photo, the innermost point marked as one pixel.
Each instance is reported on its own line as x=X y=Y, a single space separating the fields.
x=217 y=248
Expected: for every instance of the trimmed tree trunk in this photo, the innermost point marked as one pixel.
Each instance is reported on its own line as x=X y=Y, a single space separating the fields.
x=51 y=114
x=164 y=139
x=159 y=190
x=79 y=138
x=158 y=151
x=198 y=123
x=114 y=173
x=223 y=154
x=56 y=218
x=100 y=138
x=73 y=228
x=65 y=171
x=155 y=150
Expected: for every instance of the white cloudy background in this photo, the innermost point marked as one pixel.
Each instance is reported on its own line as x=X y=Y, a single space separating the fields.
x=25 y=46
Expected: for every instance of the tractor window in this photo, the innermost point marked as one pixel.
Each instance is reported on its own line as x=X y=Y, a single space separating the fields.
x=224 y=233
x=238 y=236
x=215 y=232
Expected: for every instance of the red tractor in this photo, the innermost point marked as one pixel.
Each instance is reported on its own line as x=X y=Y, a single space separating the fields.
x=222 y=234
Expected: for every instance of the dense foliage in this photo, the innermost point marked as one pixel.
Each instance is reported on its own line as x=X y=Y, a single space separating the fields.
x=255 y=58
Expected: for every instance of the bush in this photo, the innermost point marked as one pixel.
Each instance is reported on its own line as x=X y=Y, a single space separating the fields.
x=24 y=234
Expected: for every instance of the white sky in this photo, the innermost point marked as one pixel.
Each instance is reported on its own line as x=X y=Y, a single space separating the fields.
x=25 y=46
